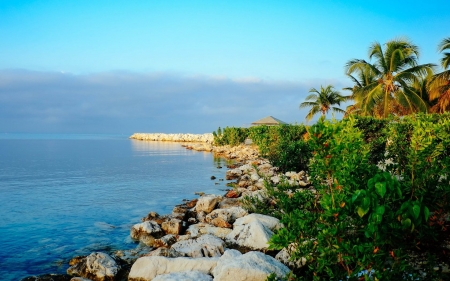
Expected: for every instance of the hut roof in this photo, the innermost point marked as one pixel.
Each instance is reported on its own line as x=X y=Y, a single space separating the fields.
x=269 y=120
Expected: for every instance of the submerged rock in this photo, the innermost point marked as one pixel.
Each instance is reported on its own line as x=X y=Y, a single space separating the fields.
x=48 y=277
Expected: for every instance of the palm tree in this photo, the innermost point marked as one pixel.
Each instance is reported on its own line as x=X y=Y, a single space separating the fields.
x=323 y=101
x=394 y=71
x=439 y=85
x=365 y=77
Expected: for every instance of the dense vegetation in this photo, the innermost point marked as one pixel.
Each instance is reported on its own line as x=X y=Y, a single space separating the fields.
x=380 y=203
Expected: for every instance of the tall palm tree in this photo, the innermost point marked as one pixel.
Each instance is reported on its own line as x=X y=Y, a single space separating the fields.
x=439 y=85
x=364 y=77
x=395 y=69
x=323 y=101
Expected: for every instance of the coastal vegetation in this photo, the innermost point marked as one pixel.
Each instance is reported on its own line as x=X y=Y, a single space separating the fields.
x=380 y=178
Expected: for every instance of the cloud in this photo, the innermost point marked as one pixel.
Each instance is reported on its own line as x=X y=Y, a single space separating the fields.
x=124 y=102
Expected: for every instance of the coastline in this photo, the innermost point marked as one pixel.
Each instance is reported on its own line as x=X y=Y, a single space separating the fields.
x=216 y=218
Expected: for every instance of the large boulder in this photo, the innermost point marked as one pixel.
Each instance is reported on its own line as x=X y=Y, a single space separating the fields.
x=172 y=226
x=252 y=266
x=253 y=231
x=207 y=203
x=196 y=230
x=145 y=228
x=184 y=276
x=97 y=267
x=147 y=268
x=228 y=215
x=203 y=246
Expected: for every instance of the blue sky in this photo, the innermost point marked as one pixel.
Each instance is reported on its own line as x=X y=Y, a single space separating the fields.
x=187 y=66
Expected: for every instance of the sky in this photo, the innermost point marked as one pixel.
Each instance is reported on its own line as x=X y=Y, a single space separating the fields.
x=83 y=66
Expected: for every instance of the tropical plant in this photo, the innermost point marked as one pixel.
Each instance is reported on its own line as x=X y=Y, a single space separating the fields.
x=323 y=101
x=392 y=74
x=364 y=77
x=439 y=85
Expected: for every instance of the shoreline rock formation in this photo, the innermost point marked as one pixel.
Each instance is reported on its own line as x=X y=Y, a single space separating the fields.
x=202 y=138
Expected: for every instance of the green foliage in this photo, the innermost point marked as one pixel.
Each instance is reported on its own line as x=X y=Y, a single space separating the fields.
x=283 y=145
x=230 y=136
x=364 y=222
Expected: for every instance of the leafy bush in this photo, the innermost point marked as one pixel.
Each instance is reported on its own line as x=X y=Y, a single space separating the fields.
x=284 y=146
x=363 y=222
x=230 y=136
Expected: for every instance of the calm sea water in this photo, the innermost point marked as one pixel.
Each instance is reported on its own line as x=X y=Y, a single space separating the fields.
x=67 y=195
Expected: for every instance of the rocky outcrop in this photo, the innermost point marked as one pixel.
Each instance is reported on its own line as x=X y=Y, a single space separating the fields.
x=146 y=232
x=204 y=246
x=147 y=268
x=252 y=266
x=205 y=138
x=199 y=229
x=253 y=231
x=207 y=203
x=97 y=267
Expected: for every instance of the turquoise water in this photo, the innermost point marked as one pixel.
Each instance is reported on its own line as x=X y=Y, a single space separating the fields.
x=67 y=195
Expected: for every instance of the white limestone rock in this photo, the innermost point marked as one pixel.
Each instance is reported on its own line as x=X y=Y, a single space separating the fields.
x=229 y=215
x=172 y=226
x=252 y=266
x=165 y=241
x=97 y=267
x=148 y=228
x=253 y=235
x=268 y=221
x=147 y=268
x=203 y=246
x=253 y=231
x=196 y=230
x=207 y=203
x=184 y=276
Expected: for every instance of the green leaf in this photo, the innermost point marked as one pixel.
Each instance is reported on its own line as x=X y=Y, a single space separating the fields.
x=380 y=210
x=416 y=211
x=380 y=188
x=357 y=194
x=426 y=213
x=406 y=223
x=362 y=211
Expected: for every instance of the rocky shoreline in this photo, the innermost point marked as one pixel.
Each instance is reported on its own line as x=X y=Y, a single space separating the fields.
x=203 y=138
x=209 y=238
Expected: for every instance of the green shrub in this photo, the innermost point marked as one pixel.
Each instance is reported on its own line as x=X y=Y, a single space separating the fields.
x=230 y=136
x=283 y=145
x=364 y=222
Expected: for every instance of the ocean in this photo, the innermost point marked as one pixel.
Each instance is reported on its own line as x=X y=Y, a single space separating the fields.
x=68 y=195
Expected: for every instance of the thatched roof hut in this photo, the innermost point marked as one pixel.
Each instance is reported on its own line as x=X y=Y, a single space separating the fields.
x=269 y=121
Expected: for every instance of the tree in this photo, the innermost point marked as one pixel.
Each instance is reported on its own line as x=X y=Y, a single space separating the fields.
x=395 y=70
x=323 y=101
x=439 y=85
